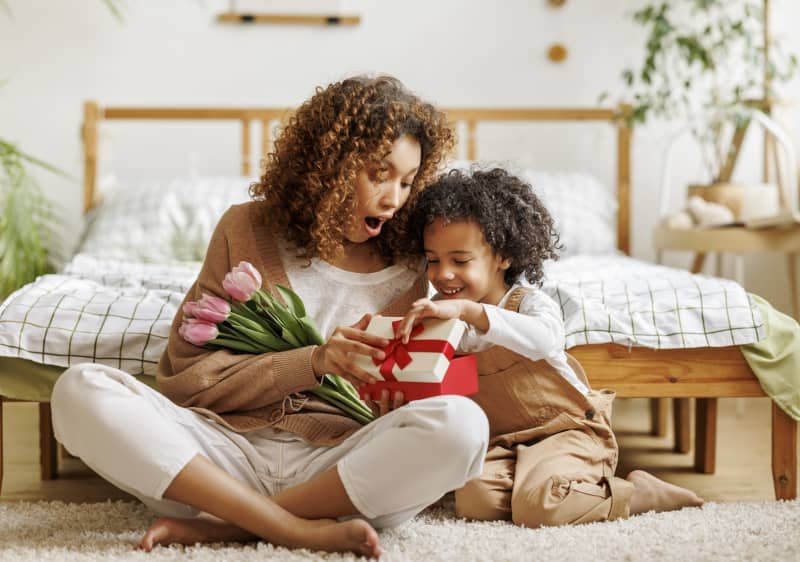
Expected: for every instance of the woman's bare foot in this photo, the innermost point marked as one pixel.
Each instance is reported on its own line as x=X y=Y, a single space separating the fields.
x=652 y=494
x=355 y=535
x=172 y=530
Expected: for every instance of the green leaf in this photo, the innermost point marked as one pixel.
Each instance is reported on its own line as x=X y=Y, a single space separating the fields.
x=293 y=302
x=44 y=165
x=28 y=223
x=292 y=330
x=343 y=385
x=288 y=336
x=269 y=341
x=356 y=410
x=311 y=330
x=240 y=311
x=255 y=312
x=235 y=344
x=245 y=320
x=627 y=76
x=114 y=8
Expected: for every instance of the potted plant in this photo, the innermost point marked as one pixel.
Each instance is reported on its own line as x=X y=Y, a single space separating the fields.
x=708 y=64
x=28 y=243
x=27 y=221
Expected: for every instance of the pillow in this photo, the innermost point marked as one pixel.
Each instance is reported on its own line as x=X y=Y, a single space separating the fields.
x=161 y=220
x=583 y=209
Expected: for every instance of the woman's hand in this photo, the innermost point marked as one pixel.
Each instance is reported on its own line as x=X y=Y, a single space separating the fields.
x=337 y=355
x=384 y=405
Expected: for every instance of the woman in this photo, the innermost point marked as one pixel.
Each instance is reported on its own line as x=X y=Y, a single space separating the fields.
x=235 y=438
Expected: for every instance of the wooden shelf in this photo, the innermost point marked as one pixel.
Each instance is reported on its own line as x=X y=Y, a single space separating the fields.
x=288 y=19
x=736 y=240
x=728 y=239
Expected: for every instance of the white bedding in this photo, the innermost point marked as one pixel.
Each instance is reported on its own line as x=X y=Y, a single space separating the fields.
x=119 y=313
x=617 y=299
x=98 y=310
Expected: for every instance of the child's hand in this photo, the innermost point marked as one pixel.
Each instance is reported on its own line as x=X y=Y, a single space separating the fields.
x=426 y=308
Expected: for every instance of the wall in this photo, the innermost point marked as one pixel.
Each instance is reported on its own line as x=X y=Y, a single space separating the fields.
x=454 y=52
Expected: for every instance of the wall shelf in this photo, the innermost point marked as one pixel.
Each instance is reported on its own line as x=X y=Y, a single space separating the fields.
x=245 y=18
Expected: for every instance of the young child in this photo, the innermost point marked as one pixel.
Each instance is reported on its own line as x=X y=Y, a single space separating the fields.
x=552 y=454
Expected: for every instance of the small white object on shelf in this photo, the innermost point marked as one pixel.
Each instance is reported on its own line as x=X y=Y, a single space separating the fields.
x=785 y=218
x=707 y=213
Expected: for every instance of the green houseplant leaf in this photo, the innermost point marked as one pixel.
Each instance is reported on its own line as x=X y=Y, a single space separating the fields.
x=704 y=64
x=27 y=221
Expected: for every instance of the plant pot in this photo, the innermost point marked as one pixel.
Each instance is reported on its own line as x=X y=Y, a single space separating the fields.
x=747 y=201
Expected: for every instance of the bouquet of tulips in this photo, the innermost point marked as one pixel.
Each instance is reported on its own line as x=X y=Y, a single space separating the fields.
x=256 y=322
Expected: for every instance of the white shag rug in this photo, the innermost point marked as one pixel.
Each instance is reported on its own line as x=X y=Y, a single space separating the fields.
x=768 y=531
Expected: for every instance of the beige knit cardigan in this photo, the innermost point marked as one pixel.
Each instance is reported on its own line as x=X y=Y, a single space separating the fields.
x=248 y=392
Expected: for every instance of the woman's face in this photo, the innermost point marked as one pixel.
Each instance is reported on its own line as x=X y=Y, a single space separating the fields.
x=382 y=191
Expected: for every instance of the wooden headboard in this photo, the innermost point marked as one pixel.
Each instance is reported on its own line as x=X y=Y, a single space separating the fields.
x=94 y=114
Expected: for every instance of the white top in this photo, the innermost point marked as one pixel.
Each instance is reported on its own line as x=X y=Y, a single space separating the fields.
x=535 y=332
x=335 y=297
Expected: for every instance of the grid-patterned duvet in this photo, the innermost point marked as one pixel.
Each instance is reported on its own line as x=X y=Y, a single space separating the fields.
x=120 y=313
x=616 y=299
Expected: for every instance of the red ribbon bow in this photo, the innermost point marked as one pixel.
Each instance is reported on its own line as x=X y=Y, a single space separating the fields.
x=398 y=353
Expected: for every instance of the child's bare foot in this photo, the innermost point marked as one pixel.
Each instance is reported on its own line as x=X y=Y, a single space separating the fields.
x=355 y=535
x=652 y=494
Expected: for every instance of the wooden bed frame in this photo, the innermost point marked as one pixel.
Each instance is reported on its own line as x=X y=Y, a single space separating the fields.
x=704 y=374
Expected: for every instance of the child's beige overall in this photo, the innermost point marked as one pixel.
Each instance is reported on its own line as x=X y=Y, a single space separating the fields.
x=552 y=454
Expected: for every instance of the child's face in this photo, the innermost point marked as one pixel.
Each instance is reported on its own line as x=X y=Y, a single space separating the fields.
x=462 y=265
x=380 y=193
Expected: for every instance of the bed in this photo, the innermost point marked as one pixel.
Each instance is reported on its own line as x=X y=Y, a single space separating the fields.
x=113 y=303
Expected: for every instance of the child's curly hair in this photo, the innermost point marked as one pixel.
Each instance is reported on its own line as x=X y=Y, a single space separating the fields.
x=349 y=126
x=513 y=220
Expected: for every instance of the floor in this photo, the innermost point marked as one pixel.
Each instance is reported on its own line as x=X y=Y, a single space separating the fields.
x=743 y=456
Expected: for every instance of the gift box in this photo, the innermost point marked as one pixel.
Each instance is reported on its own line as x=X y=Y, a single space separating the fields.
x=423 y=367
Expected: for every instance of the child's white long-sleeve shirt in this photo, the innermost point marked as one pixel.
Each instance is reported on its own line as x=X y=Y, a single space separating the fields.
x=535 y=332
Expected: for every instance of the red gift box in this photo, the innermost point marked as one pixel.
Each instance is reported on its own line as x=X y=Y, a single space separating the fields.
x=422 y=367
x=461 y=378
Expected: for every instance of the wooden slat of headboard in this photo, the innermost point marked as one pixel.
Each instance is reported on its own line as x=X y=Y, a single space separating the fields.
x=471 y=116
x=474 y=115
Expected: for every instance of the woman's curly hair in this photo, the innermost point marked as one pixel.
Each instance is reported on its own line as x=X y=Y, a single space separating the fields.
x=308 y=185
x=513 y=220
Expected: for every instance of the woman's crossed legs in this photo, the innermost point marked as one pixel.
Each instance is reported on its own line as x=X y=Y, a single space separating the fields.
x=172 y=458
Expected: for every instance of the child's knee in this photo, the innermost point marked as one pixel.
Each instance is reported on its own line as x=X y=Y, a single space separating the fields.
x=478 y=500
x=560 y=501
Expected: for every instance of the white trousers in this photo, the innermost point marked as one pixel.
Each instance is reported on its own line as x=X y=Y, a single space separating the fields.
x=139 y=440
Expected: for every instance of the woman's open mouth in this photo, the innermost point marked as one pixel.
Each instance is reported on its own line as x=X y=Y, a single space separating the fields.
x=373 y=225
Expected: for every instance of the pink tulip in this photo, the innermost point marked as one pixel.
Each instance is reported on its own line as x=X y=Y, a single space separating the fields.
x=211 y=309
x=198 y=332
x=190 y=309
x=242 y=282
